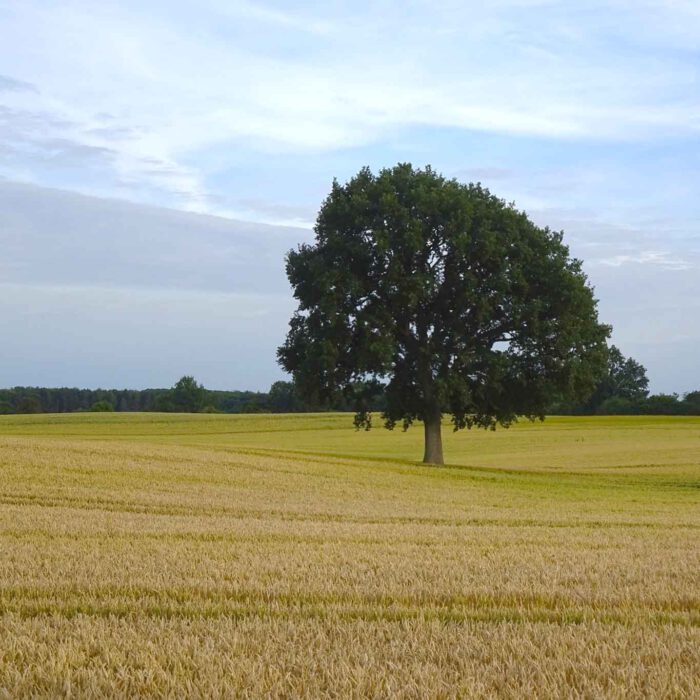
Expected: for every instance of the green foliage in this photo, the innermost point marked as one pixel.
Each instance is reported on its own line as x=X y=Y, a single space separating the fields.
x=444 y=295
x=284 y=398
x=656 y=404
x=691 y=403
x=102 y=406
x=67 y=400
x=29 y=404
x=238 y=401
x=187 y=395
x=71 y=400
x=617 y=406
x=621 y=390
x=663 y=404
x=625 y=378
x=164 y=403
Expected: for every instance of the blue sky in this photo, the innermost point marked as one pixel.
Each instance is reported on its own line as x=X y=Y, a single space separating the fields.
x=143 y=146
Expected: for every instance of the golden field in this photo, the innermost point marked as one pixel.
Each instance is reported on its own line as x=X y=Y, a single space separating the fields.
x=290 y=556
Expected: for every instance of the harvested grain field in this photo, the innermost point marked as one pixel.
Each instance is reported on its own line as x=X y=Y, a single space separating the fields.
x=289 y=556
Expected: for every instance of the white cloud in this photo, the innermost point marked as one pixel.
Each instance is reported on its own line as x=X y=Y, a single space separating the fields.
x=179 y=79
x=648 y=257
x=245 y=9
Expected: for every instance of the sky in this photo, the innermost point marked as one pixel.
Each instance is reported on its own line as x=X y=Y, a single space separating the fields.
x=157 y=160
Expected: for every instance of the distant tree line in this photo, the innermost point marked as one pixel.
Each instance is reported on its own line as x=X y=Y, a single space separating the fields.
x=187 y=396
x=622 y=391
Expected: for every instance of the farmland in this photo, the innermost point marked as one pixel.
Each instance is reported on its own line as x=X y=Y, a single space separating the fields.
x=288 y=555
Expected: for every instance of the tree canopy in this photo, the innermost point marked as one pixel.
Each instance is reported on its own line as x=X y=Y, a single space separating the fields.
x=102 y=407
x=447 y=296
x=623 y=389
x=625 y=378
x=187 y=395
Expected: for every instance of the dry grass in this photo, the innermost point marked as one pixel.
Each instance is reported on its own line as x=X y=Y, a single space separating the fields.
x=271 y=556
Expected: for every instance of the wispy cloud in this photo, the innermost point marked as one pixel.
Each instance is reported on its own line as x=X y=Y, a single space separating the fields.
x=483 y=173
x=256 y=11
x=177 y=80
x=661 y=259
x=8 y=84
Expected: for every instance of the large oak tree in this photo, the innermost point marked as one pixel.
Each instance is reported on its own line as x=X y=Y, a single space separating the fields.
x=448 y=298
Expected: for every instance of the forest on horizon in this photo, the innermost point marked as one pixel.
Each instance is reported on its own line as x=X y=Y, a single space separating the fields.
x=622 y=391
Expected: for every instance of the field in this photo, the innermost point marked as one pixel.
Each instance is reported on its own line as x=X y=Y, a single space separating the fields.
x=289 y=556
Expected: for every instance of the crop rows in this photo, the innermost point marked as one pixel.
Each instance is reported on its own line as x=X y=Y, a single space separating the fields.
x=171 y=565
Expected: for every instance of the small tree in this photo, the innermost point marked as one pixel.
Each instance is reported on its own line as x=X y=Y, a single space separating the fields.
x=103 y=406
x=624 y=378
x=447 y=296
x=187 y=395
x=283 y=398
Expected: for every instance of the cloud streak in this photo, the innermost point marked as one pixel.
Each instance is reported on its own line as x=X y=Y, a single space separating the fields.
x=649 y=257
x=8 y=84
x=179 y=80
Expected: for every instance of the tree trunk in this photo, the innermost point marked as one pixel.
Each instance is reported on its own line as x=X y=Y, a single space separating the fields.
x=433 y=440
